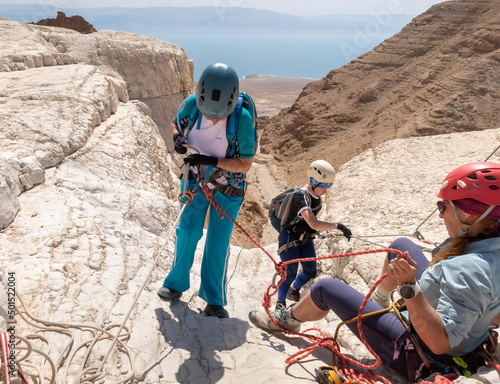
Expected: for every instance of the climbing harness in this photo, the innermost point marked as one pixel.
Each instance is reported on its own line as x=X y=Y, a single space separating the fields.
x=226 y=189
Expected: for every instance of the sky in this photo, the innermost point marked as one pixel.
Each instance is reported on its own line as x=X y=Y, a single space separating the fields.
x=294 y=7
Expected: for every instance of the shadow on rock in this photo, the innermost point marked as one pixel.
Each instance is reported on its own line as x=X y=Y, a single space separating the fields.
x=204 y=338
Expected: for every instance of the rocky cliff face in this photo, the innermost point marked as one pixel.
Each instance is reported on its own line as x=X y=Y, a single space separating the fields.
x=440 y=74
x=60 y=85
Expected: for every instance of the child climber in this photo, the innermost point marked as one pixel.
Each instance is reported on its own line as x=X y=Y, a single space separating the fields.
x=298 y=228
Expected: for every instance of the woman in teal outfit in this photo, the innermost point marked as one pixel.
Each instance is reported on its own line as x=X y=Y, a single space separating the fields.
x=221 y=163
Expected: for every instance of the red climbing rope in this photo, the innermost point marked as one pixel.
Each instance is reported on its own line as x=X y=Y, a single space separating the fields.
x=210 y=197
x=345 y=362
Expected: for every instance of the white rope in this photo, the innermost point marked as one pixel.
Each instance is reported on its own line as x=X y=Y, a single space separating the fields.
x=90 y=374
x=237 y=257
x=141 y=289
x=49 y=326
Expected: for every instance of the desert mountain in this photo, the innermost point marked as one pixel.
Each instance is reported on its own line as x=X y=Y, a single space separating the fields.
x=440 y=74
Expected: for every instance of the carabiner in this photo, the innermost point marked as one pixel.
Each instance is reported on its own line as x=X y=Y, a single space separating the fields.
x=186 y=195
x=419 y=236
x=273 y=284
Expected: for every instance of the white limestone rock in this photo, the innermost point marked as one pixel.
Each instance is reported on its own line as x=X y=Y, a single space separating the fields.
x=156 y=72
x=10 y=188
x=24 y=47
x=4 y=318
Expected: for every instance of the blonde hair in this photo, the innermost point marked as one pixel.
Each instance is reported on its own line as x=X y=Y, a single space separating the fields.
x=486 y=229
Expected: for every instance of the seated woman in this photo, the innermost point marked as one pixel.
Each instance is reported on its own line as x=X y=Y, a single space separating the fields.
x=451 y=302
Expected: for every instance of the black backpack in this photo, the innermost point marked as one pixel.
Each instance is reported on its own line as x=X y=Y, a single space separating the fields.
x=279 y=209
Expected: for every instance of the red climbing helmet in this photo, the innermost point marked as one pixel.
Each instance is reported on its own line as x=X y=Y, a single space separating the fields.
x=479 y=181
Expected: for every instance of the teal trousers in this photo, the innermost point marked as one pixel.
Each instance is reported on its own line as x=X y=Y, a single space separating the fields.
x=216 y=253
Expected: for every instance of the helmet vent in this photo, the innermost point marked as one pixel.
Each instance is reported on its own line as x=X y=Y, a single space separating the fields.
x=216 y=94
x=491 y=178
x=201 y=99
x=472 y=176
x=494 y=187
x=475 y=185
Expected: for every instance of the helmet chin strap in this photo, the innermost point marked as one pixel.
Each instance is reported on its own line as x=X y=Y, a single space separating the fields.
x=464 y=230
x=311 y=181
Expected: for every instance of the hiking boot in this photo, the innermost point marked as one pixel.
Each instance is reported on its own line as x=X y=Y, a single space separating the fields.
x=216 y=311
x=280 y=304
x=168 y=293
x=283 y=317
x=293 y=294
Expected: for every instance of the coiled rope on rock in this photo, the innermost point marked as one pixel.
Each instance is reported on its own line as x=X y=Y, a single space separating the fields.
x=89 y=372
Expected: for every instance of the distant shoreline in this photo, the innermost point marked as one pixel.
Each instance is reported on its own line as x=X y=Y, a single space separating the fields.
x=259 y=76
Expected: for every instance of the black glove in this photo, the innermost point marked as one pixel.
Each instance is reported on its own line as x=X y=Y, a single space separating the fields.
x=345 y=231
x=197 y=159
x=180 y=143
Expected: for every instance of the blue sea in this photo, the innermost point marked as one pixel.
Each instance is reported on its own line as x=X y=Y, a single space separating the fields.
x=307 y=56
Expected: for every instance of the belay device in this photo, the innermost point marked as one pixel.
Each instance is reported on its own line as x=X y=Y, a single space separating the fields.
x=331 y=375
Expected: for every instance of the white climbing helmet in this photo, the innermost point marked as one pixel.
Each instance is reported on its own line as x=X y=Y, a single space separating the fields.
x=321 y=174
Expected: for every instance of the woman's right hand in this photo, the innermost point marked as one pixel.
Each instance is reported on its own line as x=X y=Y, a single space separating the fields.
x=403 y=269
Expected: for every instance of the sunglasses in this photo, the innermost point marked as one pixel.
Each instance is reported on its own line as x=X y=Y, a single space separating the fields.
x=441 y=207
x=324 y=185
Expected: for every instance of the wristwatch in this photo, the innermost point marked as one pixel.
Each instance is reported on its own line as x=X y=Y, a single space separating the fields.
x=408 y=291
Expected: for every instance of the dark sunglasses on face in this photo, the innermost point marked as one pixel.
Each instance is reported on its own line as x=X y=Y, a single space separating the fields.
x=441 y=207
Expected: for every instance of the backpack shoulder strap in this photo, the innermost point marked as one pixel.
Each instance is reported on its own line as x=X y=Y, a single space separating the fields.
x=193 y=114
x=234 y=119
x=249 y=105
x=182 y=124
x=232 y=126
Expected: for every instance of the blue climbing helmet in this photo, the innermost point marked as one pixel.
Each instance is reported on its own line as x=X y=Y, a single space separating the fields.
x=217 y=91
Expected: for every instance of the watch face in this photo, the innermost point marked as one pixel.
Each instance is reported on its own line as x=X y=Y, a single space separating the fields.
x=407 y=292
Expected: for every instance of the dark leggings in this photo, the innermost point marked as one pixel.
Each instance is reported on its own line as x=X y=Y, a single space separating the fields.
x=380 y=331
x=304 y=250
